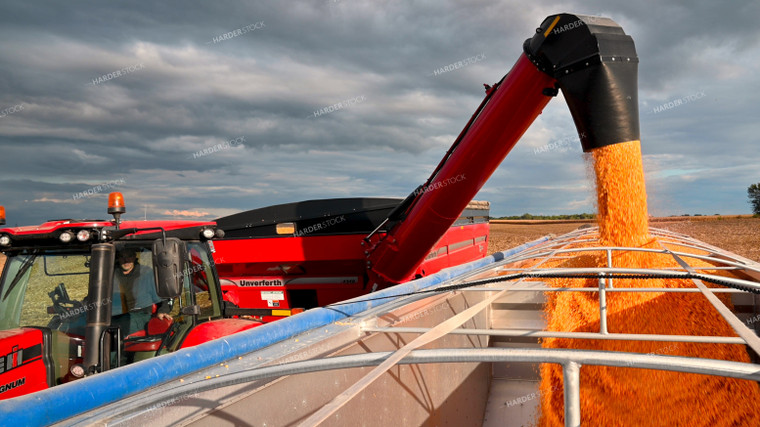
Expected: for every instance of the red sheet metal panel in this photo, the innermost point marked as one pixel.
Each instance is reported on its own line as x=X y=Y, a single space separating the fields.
x=22 y=368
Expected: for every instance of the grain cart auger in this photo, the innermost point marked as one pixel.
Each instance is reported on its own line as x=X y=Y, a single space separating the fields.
x=590 y=59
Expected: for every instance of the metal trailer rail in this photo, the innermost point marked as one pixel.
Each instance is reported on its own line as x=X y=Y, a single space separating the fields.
x=114 y=390
x=571 y=361
x=132 y=410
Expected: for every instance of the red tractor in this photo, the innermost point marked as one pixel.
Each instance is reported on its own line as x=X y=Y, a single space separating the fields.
x=65 y=313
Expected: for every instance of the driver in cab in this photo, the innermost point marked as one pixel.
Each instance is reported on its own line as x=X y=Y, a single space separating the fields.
x=134 y=292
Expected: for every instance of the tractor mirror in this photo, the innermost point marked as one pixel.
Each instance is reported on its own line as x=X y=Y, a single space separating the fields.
x=169 y=257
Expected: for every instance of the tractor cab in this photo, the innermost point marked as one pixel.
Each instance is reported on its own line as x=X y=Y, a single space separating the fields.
x=79 y=297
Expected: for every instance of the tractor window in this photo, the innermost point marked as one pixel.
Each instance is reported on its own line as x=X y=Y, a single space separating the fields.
x=200 y=273
x=199 y=288
x=46 y=290
x=134 y=286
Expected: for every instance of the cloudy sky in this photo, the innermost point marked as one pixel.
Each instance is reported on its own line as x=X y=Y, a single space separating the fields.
x=72 y=128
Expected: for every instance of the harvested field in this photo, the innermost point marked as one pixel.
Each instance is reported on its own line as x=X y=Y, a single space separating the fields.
x=738 y=235
x=515 y=233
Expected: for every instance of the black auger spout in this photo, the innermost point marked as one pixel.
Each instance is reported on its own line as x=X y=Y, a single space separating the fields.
x=596 y=68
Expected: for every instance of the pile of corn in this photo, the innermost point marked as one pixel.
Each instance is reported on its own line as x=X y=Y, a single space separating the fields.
x=631 y=396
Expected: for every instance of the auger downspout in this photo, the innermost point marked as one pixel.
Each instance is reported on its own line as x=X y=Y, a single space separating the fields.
x=595 y=65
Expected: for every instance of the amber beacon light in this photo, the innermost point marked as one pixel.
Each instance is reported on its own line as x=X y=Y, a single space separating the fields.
x=116 y=205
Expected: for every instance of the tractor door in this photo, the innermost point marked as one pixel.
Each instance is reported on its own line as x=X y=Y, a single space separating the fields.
x=43 y=309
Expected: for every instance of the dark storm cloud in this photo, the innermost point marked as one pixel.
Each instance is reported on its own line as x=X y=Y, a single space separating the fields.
x=135 y=90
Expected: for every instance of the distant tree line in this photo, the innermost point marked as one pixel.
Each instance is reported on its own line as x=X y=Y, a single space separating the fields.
x=753 y=192
x=542 y=217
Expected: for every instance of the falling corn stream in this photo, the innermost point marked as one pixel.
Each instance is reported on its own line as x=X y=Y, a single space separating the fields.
x=617 y=396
